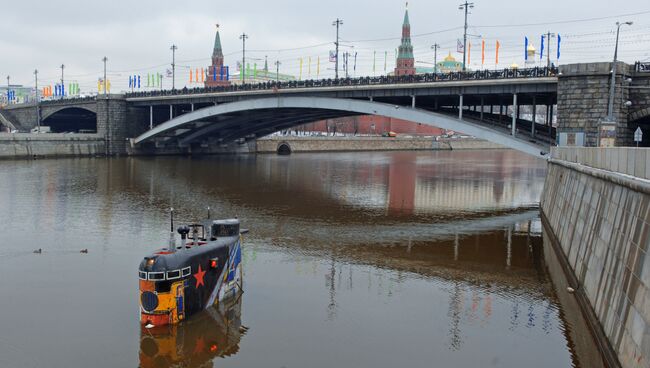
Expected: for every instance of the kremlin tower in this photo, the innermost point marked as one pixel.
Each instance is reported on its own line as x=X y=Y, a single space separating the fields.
x=218 y=74
x=405 y=59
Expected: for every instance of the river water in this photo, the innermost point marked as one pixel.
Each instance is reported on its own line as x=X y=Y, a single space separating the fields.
x=388 y=259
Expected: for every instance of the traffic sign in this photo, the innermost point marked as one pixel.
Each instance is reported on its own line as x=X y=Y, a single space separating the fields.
x=638 y=136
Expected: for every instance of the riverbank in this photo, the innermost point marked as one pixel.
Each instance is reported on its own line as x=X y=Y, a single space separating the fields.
x=30 y=145
x=296 y=144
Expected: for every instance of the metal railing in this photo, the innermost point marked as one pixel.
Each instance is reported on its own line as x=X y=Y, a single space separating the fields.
x=536 y=72
x=642 y=67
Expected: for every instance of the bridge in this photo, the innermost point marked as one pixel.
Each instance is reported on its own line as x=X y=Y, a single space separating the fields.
x=484 y=104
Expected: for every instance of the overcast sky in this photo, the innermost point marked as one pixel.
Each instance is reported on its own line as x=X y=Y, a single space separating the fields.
x=136 y=35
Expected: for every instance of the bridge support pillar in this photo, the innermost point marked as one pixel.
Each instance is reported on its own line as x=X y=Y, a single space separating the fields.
x=150 y=117
x=532 y=127
x=171 y=112
x=112 y=123
x=192 y=107
x=413 y=101
x=460 y=107
x=482 y=107
x=514 y=114
x=371 y=99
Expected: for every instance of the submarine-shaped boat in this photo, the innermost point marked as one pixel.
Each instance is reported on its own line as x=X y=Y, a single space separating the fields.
x=179 y=281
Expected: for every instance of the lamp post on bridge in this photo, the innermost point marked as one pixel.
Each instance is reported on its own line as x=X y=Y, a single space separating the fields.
x=38 y=112
x=105 y=59
x=435 y=48
x=173 y=48
x=465 y=6
x=338 y=22
x=610 y=105
x=277 y=71
x=243 y=39
x=62 y=81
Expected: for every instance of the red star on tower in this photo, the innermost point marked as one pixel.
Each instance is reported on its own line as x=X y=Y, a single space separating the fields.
x=199 y=277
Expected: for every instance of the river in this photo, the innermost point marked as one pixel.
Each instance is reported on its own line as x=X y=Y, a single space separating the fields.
x=384 y=259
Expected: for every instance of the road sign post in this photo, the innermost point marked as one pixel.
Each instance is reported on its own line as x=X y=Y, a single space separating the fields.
x=638 y=136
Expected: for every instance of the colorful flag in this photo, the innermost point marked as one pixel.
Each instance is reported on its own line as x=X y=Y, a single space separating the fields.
x=300 y=76
x=191 y=76
x=496 y=61
x=374 y=62
x=469 y=52
x=318 y=67
x=526 y=48
x=559 y=40
x=385 y=60
x=482 y=52
x=460 y=47
x=541 y=52
x=309 y=68
x=332 y=56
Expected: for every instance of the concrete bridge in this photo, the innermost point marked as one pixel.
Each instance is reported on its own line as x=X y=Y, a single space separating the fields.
x=485 y=104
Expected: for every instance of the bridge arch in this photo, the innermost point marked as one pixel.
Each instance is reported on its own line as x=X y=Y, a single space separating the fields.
x=266 y=115
x=75 y=119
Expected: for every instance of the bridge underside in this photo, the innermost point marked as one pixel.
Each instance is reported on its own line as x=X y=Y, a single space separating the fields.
x=260 y=117
x=243 y=125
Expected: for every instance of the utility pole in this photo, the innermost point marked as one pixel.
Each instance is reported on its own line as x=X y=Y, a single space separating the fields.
x=173 y=48
x=62 y=83
x=277 y=71
x=548 y=36
x=38 y=112
x=465 y=6
x=435 y=48
x=105 y=59
x=243 y=39
x=338 y=22
x=612 y=86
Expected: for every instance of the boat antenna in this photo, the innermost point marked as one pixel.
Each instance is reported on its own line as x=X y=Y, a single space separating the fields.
x=172 y=239
x=171 y=212
x=208 y=212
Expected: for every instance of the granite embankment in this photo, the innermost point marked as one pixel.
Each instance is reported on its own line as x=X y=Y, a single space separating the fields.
x=596 y=213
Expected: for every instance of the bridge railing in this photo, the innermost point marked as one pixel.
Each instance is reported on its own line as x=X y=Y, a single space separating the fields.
x=536 y=72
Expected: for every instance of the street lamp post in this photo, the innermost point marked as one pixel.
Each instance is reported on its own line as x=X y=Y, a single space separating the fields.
x=465 y=6
x=338 y=22
x=105 y=59
x=435 y=48
x=277 y=71
x=243 y=39
x=612 y=86
x=38 y=112
x=62 y=82
x=173 y=48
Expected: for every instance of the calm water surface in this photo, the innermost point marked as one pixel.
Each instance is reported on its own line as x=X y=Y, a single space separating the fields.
x=401 y=259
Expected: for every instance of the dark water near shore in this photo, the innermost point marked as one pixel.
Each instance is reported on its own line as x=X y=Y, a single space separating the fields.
x=401 y=259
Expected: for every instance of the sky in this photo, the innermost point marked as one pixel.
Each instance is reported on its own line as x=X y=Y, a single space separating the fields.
x=136 y=35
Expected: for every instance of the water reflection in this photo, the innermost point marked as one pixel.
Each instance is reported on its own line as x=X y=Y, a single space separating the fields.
x=197 y=342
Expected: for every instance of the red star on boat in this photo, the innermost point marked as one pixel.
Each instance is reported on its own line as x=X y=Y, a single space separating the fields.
x=199 y=277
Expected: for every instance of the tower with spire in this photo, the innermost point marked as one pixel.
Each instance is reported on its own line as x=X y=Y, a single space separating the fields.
x=405 y=60
x=217 y=72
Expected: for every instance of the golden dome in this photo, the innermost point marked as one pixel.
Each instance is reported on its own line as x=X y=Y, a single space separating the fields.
x=514 y=66
x=531 y=47
x=450 y=58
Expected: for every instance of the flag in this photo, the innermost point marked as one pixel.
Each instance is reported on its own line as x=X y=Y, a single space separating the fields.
x=355 y=62
x=496 y=61
x=300 y=76
x=460 y=47
x=318 y=67
x=469 y=52
x=254 y=70
x=559 y=39
x=385 y=60
x=191 y=76
x=130 y=81
x=332 y=56
x=482 y=52
x=374 y=62
x=309 y=68
x=138 y=81
x=169 y=73
x=541 y=48
x=526 y=48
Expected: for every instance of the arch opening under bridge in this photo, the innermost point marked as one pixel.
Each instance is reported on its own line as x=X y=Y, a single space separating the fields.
x=263 y=116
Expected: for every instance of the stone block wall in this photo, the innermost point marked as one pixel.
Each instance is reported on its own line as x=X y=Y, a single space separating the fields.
x=583 y=96
x=601 y=220
x=112 y=123
x=26 y=145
